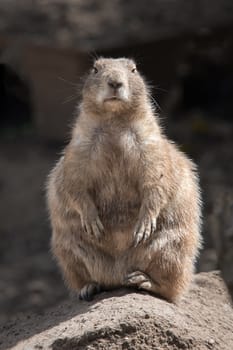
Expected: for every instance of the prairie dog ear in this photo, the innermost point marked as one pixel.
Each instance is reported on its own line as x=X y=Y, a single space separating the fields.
x=132 y=62
x=98 y=61
x=132 y=65
x=96 y=66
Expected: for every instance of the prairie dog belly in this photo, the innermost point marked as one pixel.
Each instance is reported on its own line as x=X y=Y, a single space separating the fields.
x=117 y=201
x=118 y=204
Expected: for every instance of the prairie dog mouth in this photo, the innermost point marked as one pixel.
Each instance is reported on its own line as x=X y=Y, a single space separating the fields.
x=112 y=98
x=106 y=95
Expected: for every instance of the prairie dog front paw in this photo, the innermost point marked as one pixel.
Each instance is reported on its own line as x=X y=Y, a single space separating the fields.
x=145 y=227
x=92 y=224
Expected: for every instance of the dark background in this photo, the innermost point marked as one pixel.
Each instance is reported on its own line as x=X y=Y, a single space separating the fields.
x=186 y=54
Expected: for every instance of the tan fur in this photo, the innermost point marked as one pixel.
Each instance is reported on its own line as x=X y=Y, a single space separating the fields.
x=123 y=200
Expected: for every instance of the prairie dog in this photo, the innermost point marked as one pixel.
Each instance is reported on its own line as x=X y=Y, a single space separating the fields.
x=123 y=200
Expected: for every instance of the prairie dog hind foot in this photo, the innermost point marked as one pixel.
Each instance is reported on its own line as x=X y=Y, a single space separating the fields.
x=140 y=280
x=89 y=290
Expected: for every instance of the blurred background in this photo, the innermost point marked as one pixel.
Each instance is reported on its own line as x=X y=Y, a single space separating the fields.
x=184 y=49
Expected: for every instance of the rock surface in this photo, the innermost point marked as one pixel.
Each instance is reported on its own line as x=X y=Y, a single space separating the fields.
x=124 y=319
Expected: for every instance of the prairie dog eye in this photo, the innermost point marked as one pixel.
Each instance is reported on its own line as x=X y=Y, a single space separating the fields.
x=94 y=70
x=134 y=70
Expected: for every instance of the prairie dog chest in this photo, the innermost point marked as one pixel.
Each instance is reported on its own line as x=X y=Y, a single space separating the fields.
x=108 y=155
x=115 y=145
x=128 y=142
x=116 y=184
x=114 y=160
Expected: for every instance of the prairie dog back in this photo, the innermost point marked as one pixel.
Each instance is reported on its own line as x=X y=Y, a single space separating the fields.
x=124 y=202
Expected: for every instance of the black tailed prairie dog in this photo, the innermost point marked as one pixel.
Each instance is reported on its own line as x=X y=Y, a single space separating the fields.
x=124 y=201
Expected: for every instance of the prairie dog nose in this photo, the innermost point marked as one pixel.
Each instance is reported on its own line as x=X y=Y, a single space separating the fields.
x=114 y=84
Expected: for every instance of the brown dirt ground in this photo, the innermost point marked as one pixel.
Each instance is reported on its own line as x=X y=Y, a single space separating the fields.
x=123 y=319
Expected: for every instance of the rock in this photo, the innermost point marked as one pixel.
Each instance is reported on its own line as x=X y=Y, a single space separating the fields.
x=223 y=235
x=124 y=319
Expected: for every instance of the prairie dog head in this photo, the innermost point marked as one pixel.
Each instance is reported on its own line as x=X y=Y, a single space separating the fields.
x=113 y=86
